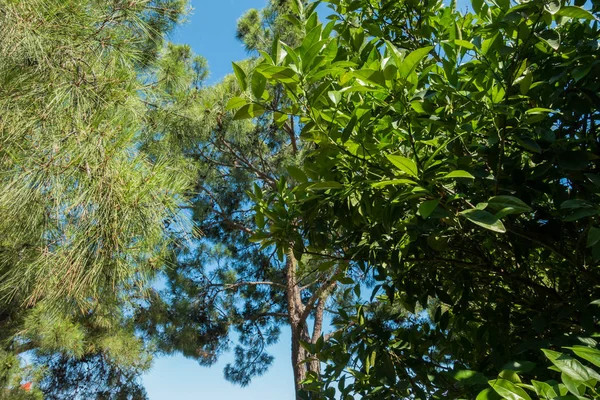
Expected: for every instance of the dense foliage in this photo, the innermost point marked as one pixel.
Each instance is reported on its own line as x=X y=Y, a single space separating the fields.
x=454 y=158
x=426 y=175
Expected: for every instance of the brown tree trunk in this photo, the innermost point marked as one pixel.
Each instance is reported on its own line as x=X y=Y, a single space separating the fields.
x=302 y=360
x=295 y=310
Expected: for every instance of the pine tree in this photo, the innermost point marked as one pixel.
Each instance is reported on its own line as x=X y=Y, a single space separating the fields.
x=88 y=211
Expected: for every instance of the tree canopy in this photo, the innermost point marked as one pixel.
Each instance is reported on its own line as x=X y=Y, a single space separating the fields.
x=454 y=158
x=85 y=209
x=426 y=176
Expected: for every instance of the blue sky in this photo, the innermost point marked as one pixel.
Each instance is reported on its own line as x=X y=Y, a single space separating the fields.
x=210 y=30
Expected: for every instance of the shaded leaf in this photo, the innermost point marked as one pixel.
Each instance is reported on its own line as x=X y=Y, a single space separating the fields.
x=484 y=219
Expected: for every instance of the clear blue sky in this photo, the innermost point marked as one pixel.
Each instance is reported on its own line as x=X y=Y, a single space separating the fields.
x=210 y=30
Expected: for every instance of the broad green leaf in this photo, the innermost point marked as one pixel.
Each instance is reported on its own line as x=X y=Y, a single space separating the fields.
x=551 y=37
x=468 y=377
x=593 y=238
x=575 y=12
x=503 y=202
x=525 y=83
x=544 y=390
x=395 y=53
x=411 y=61
x=484 y=219
x=258 y=85
x=508 y=390
x=406 y=165
x=571 y=384
x=570 y=366
x=458 y=174
x=370 y=76
x=488 y=394
x=235 y=102
x=427 y=207
x=509 y=375
x=393 y=182
x=279 y=118
x=477 y=5
x=529 y=144
x=241 y=76
x=587 y=353
x=335 y=96
x=249 y=111
x=297 y=174
x=464 y=43
x=259 y=237
x=280 y=74
x=575 y=204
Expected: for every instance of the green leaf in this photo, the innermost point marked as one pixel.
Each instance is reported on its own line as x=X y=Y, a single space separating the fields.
x=464 y=43
x=241 y=76
x=297 y=174
x=488 y=394
x=593 y=238
x=575 y=13
x=477 y=5
x=335 y=96
x=529 y=144
x=235 y=102
x=570 y=366
x=468 y=377
x=249 y=111
x=458 y=174
x=393 y=182
x=539 y=110
x=575 y=204
x=571 y=384
x=427 y=207
x=258 y=85
x=516 y=205
x=551 y=37
x=371 y=76
x=508 y=390
x=544 y=389
x=587 y=353
x=509 y=375
x=406 y=165
x=279 y=118
x=484 y=219
x=259 y=237
x=410 y=62
x=280 y=74
x=525 y=83
x=325 y=185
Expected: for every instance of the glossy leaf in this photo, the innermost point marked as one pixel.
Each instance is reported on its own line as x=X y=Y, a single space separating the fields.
x=508 y=390
x=404 y=164
x=241 y=76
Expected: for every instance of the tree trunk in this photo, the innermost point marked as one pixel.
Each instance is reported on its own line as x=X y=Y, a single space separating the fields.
x=295 y=310
x=302 y=360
